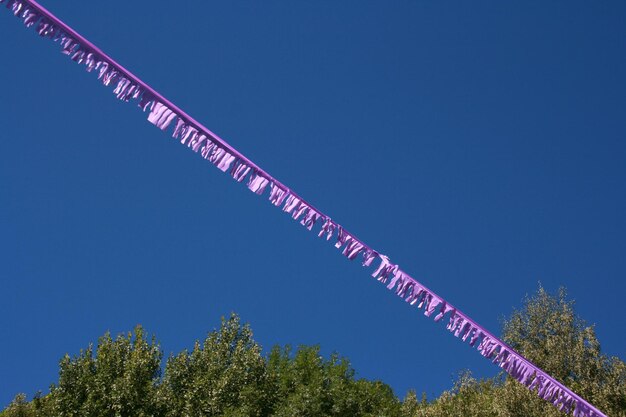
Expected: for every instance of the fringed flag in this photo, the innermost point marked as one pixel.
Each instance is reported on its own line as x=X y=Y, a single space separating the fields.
x=167 y=116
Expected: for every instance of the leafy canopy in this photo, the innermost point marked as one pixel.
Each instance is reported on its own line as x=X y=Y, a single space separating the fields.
x=227 y=375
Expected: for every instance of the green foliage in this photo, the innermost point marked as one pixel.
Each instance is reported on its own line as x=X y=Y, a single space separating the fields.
x=119 y=380
x=19 y=407
x=38 y=407
x=308 y=385
x=468 y=397
x=548 y=332
x=226 y=375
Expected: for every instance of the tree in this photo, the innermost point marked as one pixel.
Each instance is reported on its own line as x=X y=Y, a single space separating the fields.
x=306 y=384
x=19 y=407
x=119 y=380
x=225 y=375
x=549 y=333
x=38 y=407
x=468 y=397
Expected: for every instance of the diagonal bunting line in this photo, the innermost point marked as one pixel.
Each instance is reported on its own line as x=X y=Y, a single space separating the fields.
x=167 y=116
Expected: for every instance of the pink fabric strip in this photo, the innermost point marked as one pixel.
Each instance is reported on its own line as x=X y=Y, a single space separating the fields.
x=162 y=113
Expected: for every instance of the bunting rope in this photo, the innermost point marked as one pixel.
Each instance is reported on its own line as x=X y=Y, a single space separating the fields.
x=166 y=115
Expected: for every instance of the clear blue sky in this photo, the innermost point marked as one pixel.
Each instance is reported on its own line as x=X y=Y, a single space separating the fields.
x=481 y=145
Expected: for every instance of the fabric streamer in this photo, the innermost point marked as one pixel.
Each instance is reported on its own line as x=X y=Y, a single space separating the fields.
x=165 y=115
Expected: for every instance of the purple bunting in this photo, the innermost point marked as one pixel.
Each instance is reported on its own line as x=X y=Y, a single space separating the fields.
x=257 y=183
x=162 y=113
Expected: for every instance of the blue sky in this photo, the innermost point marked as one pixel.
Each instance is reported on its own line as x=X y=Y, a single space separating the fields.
x=480 y=146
